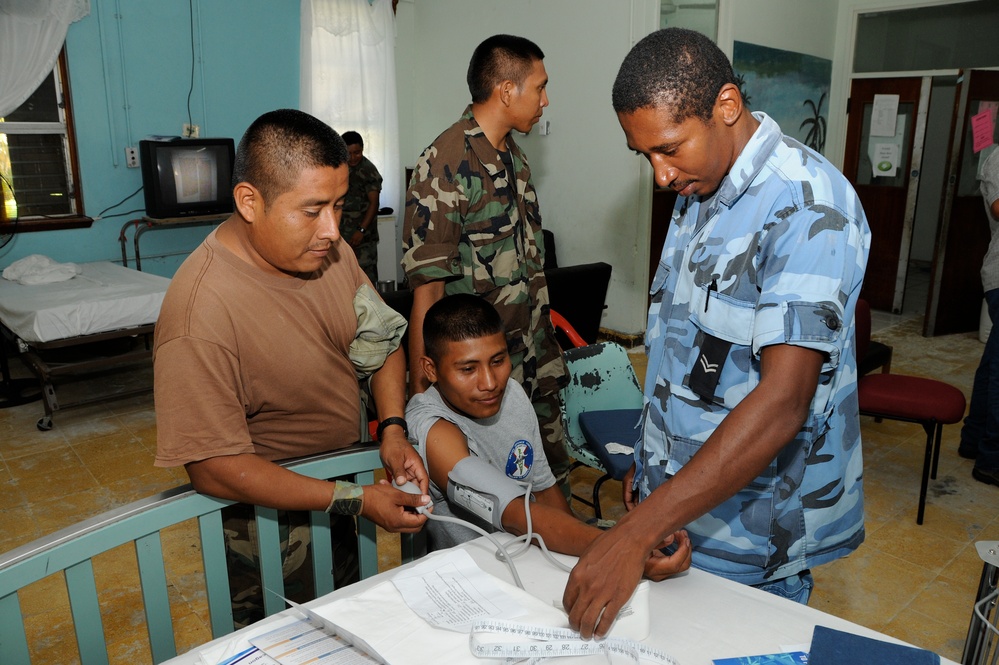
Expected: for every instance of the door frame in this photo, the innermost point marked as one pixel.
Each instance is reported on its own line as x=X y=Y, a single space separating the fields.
x=941 y=317
x=915 y=181
x=950 y=185
x=914 y=166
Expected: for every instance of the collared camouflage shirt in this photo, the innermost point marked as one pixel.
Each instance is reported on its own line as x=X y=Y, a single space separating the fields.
x=775 y=256
x=472 y=223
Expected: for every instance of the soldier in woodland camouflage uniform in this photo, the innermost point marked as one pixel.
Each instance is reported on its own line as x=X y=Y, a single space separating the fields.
x=751 y=433
x=359 y=224
x=473 y=226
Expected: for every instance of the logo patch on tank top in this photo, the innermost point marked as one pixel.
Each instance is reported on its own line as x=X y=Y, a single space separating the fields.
x=520 y=460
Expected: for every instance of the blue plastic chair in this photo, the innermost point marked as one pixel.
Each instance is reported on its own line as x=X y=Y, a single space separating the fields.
x=602 y=404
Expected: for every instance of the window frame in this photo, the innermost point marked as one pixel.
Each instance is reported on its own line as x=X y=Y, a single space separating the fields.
x=73 y=220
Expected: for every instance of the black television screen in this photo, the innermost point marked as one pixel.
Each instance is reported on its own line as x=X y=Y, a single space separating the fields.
x=187 y=177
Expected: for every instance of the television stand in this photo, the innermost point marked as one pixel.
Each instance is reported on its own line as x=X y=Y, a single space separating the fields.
x=150 y=223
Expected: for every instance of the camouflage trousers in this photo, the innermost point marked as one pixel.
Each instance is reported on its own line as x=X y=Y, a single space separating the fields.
x=367 y=258
x=548 y=408
x=367 y=251
x=242 y=558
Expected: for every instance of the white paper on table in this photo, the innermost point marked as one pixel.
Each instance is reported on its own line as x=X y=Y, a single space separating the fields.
x=238 y=650
x=244 y=648
x=451 y=592
x=251 y=656
x=297 y=641
x=400 y=637
x=619 y=449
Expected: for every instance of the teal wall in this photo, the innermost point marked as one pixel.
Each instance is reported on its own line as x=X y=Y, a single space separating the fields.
x=130 y=73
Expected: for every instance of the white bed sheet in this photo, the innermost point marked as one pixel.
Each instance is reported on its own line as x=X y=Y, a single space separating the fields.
x=104 y=297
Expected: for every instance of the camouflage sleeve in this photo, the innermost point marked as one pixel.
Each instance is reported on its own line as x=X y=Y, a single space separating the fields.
x=816 y=257
x=432 y=228
x=372 y=178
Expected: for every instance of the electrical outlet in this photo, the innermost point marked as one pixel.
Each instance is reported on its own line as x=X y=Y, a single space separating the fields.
x=190 y=131
x=131 y=157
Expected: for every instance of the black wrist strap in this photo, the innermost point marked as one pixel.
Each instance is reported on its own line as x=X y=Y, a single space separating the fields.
x=394 y=420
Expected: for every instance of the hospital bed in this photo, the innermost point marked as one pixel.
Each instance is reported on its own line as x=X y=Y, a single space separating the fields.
x=99 y=321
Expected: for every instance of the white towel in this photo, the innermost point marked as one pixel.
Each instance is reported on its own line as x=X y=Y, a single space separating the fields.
x=39 y=269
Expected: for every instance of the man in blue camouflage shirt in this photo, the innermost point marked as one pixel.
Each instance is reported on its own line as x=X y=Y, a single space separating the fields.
x=751 y=435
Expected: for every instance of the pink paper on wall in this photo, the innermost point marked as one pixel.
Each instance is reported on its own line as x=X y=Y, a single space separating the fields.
x=982 y=129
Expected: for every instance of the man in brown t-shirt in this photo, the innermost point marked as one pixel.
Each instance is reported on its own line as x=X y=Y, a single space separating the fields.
x=251 y=353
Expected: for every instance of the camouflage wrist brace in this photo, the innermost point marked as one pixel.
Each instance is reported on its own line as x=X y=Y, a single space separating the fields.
x=347 y=499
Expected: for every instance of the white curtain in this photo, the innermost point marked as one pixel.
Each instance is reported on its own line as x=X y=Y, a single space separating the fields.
x=32 y=33
x=348 y=78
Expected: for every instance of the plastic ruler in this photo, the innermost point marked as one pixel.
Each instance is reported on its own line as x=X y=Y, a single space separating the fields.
x=538 y=643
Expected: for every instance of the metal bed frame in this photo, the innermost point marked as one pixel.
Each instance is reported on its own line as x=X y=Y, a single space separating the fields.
x=48 y=372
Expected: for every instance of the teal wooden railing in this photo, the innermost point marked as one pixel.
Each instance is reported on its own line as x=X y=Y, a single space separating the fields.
x=69 y=552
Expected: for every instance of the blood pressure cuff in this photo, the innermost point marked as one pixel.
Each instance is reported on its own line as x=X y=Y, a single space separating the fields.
x=479 y=492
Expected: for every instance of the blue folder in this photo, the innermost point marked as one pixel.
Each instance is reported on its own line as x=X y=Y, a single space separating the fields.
x=835 y=647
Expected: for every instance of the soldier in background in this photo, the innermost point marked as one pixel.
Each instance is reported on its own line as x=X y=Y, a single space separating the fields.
x=359 y=224
x=473 y=226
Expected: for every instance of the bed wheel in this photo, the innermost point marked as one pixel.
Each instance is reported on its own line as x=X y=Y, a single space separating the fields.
x=44 y=424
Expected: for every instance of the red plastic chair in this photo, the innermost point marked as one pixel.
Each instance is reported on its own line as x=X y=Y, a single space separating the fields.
x=913 y=399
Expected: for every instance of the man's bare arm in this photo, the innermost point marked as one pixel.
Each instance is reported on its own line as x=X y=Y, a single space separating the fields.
x=744 y=443
x=249 y=478
x=551 y=517
x=388 y=387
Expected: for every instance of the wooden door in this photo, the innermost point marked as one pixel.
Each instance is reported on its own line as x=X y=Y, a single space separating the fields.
x=955 y=298
x=889 y=201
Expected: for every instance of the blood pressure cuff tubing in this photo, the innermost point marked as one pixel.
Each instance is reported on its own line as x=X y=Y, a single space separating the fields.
x=477 y=489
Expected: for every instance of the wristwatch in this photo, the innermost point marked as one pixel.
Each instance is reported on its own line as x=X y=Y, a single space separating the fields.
x=394 y=420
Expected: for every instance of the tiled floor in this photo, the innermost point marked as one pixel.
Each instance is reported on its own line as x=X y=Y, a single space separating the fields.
x=914 y=582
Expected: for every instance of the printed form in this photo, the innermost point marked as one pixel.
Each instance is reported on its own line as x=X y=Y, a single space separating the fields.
x=451 y=592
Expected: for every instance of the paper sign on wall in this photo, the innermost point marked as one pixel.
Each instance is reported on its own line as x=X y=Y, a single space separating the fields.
x=981 y=130
x=886 y=153
x=983 y=126
x=883 y=115
x=884 y=159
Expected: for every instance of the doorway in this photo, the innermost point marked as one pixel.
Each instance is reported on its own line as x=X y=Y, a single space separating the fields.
x=929 y=198
x=929 y=230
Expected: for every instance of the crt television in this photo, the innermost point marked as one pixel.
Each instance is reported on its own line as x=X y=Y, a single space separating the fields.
x=187 y=177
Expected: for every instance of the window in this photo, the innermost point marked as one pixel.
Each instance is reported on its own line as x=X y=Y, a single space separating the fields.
x=38 y=166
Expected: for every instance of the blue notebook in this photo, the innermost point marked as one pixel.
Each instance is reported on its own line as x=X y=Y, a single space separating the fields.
x=835 y=647
x=787 y=658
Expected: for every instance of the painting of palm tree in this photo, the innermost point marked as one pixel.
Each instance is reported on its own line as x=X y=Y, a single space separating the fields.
x=816 y=137
x=789 y=87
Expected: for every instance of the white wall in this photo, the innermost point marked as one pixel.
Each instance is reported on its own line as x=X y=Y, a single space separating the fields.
x=595 y=194
x=822 y=28
x=800 y=26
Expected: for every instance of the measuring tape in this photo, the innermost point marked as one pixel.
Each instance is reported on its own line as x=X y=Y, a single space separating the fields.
x=538 y=643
